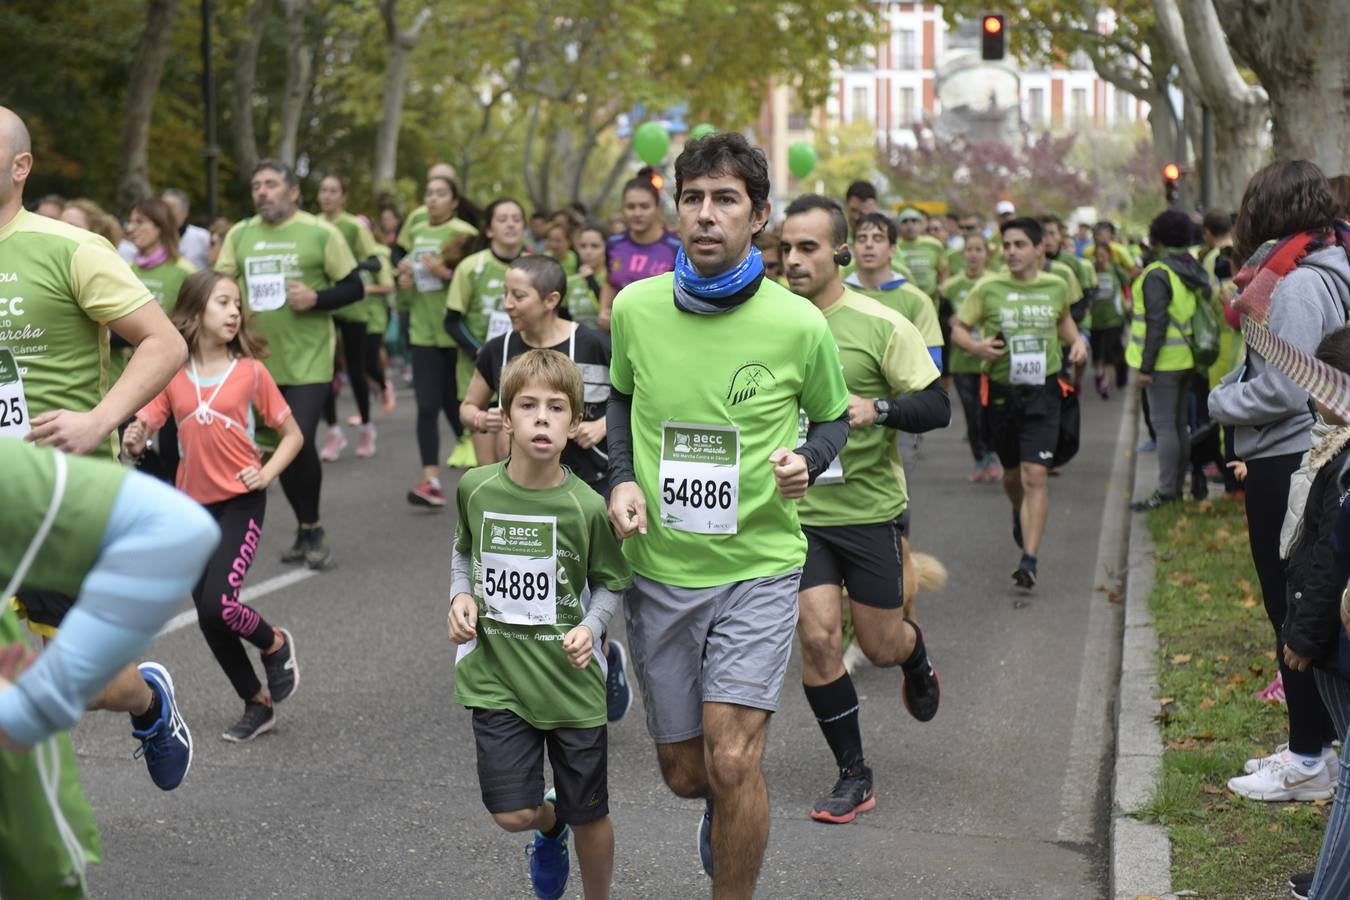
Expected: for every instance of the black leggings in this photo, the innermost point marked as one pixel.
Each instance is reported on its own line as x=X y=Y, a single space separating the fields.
x=436 y=392
x=977 y=423
x=222 y=618
x=354 y=359
x=374 y=364
x=303 y=478
x=1267 y=499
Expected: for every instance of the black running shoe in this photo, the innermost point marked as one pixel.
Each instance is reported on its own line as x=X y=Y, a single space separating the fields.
x=852 y=794
x=1017 y=528
x=921 y=691
x=257 y=718
x=1024 y=578
x=296 y=553
x=1300 y=885
x=317 y=552
x=283 y=669
x=1153 y=501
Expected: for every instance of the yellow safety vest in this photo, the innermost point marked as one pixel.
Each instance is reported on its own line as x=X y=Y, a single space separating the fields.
x=1175 y=355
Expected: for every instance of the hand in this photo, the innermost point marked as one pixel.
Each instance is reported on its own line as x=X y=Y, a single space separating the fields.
x=590 y=433
x=628 y=509
x=861 y=412
x=1145 y=380
x=301 y=298
x=578 y=643
x=72 y=432
x=436 y=266
x=488 y=421
x=1294 y=661
x=585 y=271
x=463 y=619
x=1078 y=353
x=253 y=478
x=990 y=349
x=133 y=441
x=790 y=473
x=1239 y=469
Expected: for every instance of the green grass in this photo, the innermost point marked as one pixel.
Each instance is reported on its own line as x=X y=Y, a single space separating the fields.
x=1215 y=651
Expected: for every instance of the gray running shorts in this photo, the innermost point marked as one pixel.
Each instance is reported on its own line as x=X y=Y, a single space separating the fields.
x=724 y=644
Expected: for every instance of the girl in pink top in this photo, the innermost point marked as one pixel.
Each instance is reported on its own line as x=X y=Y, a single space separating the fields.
x=213 y=400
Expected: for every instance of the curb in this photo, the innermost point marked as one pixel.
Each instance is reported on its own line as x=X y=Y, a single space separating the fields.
x=1141 y=853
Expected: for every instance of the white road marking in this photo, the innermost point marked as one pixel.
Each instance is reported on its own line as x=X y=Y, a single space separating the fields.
x=248 y=595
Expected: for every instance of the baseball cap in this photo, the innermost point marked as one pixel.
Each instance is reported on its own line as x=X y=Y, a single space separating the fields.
x=908 y=213
x=1004 y=207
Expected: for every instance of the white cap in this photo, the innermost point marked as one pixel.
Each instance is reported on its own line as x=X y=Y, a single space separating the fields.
x=1004 y=207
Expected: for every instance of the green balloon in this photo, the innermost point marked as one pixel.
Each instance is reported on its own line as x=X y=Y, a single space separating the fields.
x=702 y=130
x=802 y=159
x=651 y=143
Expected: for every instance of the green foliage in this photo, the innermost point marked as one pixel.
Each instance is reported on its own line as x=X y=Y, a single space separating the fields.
x=847 y=153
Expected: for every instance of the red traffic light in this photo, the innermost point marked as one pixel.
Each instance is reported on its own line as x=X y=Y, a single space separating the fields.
x=657 y=180
x=993 y=42
x=993 y=24
x=1171 y=172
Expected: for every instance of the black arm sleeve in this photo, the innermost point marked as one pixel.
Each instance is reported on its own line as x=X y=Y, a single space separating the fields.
x=396 y=253
x=1157 y=299
x=456 y=327
x=824 y=440
x=345 y=292
x=916 y=413
x=619 y=435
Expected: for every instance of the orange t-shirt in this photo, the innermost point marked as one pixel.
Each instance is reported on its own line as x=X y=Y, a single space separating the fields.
x=215 y=426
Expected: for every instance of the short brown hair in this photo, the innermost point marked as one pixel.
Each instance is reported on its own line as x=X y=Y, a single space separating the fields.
x=1284 y=198
x=187 y=315
x=548 y=367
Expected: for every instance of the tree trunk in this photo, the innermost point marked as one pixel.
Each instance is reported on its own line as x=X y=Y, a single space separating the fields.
x=299 y=68
x=1298 y=50
x=245 y=79
x=401 y=43
x=133 y=175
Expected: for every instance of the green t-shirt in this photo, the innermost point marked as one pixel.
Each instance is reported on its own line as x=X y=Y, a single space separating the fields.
x=1108 y=300
x=582 y=303
x=924 y=256
x=1068 y=275
x=264 y=258
x=414 y=218
x=883 y=355
x=533 y=551
x=163 y=281
x=954 y=289
x=377 y=322
x=1028 y=314
x=76 y=537
x=730 y=388
x=476 y=290
x=426 y=326
x=362 y=243
x=908 y=301
x=59 y=285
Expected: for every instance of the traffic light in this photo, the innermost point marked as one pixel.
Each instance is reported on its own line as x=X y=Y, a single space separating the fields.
x=994 y=29
x=1171 y=173
x=652 y=175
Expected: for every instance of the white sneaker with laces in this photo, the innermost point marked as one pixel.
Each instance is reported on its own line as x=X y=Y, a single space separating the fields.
x=1286 y=780
x=1281 y=754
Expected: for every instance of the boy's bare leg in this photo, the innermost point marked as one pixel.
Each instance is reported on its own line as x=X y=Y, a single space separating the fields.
x=595 y=852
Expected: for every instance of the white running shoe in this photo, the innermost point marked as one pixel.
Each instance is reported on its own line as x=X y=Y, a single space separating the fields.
x=1286 y=780
x=1329 y=756
x=334 y=442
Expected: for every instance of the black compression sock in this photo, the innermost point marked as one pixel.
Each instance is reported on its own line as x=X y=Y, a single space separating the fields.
x=918 y=657
x=1028 y=562
x=836 y=708
x=556 y=831
x=146 y=720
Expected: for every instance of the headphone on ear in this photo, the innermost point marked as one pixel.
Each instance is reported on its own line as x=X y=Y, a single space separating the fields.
x=843 y=256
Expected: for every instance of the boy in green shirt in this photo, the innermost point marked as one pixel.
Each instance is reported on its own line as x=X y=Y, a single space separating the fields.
x=531 y=538
x=926 y=257
x=1024 y=316
x=873 y=249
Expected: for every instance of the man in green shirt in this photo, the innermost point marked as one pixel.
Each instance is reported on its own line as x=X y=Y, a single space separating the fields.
x=924 y=256
x=856 y=512
x=1024 y=316
x=294 y=270
x=59 y=287
x=874 y=238
x=703 y=475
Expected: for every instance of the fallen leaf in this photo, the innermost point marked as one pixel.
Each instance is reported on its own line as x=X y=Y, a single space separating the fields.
x=1182 y=658
x=1270 y=655
x=1207 y=703
x=1222 y=657
x=1204 y=506
x=1244 y=586
x=1211 y=789
x=1167 y=701
x=1274 y=829
x=1204 y=736
x=1325 y=802
x=1248 y=602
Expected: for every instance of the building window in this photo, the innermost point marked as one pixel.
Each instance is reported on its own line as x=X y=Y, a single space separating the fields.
x=1122 y=107
x=909 y=50
x=906 y=107
x=1078 y=109
x=860 y=110
x=1036 y=106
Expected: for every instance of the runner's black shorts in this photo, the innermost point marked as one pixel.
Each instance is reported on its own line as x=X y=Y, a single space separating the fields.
x=865 y=559
x=44 y=610
x=511 y=766
x=1024 y=422
x=1106 y=345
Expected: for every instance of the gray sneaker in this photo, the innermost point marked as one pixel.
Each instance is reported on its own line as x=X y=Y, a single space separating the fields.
x=317 y=552
x=257 y=718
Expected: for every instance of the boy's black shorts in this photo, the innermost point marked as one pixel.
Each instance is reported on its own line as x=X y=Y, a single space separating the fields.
x=1024 y=422
x=511 y=766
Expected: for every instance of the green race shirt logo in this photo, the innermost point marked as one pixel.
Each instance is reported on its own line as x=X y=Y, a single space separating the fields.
x=710 y=447
x=531 y=540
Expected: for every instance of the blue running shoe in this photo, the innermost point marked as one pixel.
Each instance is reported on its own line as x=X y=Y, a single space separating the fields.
x=167 y=745
x=549 y=861
x=618 y=695
x=705 y=838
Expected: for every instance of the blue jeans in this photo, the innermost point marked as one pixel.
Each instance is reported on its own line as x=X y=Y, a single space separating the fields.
x=1333 y=864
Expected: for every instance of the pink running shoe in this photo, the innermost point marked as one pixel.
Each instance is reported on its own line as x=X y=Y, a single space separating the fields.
x=1273 y=692
x=334 y=442
x=426 y=494
x=365 y=442
x=390 y=401
x=993 y=471
x=354 y=419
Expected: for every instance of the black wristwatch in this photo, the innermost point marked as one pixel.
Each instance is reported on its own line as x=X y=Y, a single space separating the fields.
x=883 y=408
